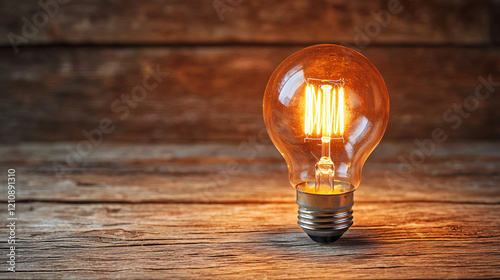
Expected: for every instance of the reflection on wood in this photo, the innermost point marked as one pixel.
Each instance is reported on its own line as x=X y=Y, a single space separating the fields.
x=155 y=212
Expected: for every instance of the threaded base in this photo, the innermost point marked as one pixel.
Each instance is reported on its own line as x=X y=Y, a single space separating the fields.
x=325 y=226
x=325 y=218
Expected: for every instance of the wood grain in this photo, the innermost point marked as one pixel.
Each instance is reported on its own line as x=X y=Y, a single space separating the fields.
x=144 y=211
x=402 y=240
x=55 y=93
x=200 y=174
x=198 y=22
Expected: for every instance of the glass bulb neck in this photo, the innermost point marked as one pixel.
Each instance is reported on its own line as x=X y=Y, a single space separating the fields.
x=325 y=174
x=325 y=169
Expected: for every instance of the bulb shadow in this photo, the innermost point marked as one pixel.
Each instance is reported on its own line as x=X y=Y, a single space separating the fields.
x=296 y=241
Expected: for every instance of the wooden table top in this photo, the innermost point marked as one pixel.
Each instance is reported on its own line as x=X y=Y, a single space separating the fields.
x=175 y=211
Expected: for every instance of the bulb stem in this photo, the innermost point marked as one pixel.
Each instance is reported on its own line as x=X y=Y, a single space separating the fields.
x=325 y=147
x=325 y=170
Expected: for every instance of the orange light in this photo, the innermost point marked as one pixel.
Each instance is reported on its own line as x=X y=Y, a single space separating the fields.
x=324 y=112
x=326 y=107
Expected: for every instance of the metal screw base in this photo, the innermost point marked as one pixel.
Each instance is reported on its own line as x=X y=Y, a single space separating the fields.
x=325 y=217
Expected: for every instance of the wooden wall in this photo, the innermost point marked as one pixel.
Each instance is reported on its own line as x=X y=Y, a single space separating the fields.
x=89 y=53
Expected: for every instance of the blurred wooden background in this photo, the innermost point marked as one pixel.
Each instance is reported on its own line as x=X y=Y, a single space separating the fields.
x=65 y=78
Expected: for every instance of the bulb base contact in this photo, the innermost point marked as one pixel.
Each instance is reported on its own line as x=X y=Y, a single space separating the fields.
x=325 y=217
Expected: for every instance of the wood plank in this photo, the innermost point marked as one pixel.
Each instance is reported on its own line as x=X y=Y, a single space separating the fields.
x=215 y=93
x=174 y=22
x=141 y=211
x=454 y=173
x=153 y=241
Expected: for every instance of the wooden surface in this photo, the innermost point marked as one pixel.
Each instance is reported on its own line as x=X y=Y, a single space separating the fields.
x=156 y=211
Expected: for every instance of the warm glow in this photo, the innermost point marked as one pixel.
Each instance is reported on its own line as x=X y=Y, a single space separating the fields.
x=326 y=107
x=324 y=112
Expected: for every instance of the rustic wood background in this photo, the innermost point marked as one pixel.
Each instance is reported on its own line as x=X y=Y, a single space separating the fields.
x=154 y=201
x=65 y=79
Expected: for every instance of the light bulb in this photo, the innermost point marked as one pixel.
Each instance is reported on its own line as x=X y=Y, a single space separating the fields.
x=326 y=107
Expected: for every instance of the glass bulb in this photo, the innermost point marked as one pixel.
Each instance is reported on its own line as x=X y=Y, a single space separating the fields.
x=326 y=107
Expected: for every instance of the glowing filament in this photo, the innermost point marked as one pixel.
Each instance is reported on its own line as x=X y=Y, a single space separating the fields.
x=324 y=112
